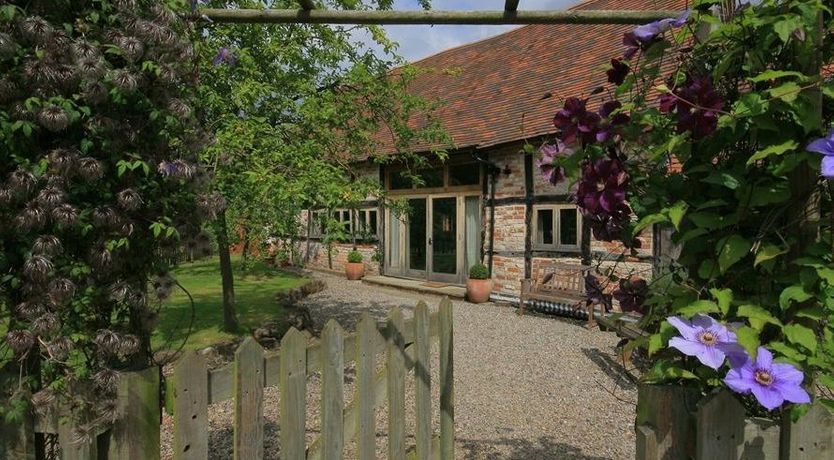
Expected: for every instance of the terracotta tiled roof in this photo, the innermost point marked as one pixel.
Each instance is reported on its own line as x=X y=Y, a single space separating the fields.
x=493 y=90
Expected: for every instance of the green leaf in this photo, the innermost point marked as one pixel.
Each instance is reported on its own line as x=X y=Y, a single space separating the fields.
x=787 y=351
x=775 y=74
x=650 y=220
x=724 y=298
x=786 y=27
x=794 y=293
x=787 y=92
x=778 y=149
x=757 y=312
x=801 y=335
x=676 y=213
x=722 y=178
x=748 y=338
x=707 y=269
x=767 y=252
x=827 y=274
x=733 y=250
x=699 y=306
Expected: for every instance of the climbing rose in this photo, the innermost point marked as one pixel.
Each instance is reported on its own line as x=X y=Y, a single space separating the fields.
x=705 y=339
x=696 y=105
x=618 y=71
x=825 y=146
x=771 y=383
x=649 y=32
x=553 y=173
x=632 y=293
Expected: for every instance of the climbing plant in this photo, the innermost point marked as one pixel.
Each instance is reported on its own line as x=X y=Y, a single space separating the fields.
x=716 y=125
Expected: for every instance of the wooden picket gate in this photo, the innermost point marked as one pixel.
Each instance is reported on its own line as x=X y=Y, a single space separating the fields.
x=405 y=344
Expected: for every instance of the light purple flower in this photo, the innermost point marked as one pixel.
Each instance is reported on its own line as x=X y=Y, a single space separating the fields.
x=771 y=383
x=648 y=32
x=553 y=173
x=224 y=56
x=825 y=146
x=705 y=339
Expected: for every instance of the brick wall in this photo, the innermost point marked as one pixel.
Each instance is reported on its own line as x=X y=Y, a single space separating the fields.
x=317 y=259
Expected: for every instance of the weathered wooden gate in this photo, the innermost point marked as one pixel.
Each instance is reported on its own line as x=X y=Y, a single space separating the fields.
x=405 y=345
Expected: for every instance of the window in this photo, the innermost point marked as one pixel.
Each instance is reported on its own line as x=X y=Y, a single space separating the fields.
x=454 y=175
x=464 y=174
x=364 y=222
x=556 y=227
x=367 y=226
x=317 y=222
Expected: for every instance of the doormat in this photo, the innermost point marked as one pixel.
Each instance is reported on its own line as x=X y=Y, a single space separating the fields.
x=435 y=284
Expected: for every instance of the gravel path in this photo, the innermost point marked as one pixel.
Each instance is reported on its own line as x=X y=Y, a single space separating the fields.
x=526 y=387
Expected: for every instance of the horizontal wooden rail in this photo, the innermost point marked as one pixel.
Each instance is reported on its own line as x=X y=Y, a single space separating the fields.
x=273 y=16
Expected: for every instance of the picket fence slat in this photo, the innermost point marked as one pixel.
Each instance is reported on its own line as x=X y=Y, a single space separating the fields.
x=332 y=391
x=189 y=387
x=135 y=432
x=293 y=393
x=249 y=389
x=811 y=437
x=395 y=384
x=447 y=381
x=73 y=447
x=221 y=384
x=724 y=433
x=365 y=373
x=422 y=381
x=668 y=411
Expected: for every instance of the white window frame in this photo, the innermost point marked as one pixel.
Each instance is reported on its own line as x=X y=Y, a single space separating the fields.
x=557 y=233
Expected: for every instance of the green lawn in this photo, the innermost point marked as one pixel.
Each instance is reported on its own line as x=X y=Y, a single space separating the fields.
x=254 y=295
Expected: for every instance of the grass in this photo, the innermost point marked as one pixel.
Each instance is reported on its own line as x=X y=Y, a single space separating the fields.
x=254 y=298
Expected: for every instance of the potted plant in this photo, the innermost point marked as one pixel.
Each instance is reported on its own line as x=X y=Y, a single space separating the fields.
x=354 y=268
x=478 y=286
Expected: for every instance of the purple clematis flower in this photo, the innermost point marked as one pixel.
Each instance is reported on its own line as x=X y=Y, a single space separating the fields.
x=618 y=71
x=705 y=339
x=224 y=56
x=647 y=33
x=696 y=105
x=771 y=383
x=553 y=173
x=602 y=188
x=609 y=122
x=825 y=146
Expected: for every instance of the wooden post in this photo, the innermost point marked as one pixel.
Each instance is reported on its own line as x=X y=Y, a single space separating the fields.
x=189 y=392
x=811 y=437
x=332 y=390
x=668 y=410
x=293 y=390
x=396 y=385
x=724 y=433
x=249 y=389
x=422 y=381
x=135 y=433
x=365 y=365
x=73 y=448
x=447 y=381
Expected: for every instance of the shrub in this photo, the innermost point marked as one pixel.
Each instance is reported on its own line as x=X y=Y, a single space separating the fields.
x=479 y=271
x=355 y=257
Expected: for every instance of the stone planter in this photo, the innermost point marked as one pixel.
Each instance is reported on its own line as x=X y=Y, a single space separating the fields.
x=675 y=422
x=354 y=271
x=478 y=291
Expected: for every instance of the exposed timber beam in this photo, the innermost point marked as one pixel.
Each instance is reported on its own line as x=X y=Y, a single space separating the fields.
x=307 y=4
x=267 y=16
x=511 y=5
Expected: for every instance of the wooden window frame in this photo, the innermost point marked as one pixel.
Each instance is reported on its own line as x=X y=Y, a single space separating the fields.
x=557 y=234
x=446 y=188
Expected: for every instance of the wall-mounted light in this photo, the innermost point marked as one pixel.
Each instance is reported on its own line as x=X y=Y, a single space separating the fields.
x=507 y=170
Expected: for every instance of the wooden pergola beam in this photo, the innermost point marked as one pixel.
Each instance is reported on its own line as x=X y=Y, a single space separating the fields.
x=307 y=4
x=511 y=5
x=271 y=16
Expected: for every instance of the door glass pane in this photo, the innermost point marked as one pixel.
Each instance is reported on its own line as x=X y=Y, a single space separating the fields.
x=568 y=222
x=464 y=174
x=544 y=226
x=417 y=234
x=444 y=235
x=473 y=231
x=372 y=225
x=394 y=241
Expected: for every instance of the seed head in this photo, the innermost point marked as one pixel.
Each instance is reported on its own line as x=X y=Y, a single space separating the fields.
x=64 y=215
x=48 y=245
x=36 y=29
x=20 y=341
x=60 y=347
x=37 y=268
x=53 y=118
x=61 y=291
x=129 y=199
x=132 y=48
x=50 y=197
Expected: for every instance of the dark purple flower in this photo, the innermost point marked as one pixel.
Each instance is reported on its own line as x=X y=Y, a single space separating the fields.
x=553 y=173
x=224 y=56
x=595 y=292
x=632 y=45
x=632 y=293
x=618 y=71
x=825 y=146
x=602 y=186
x=649 y=32
x=610 y=118
x=696 y=104
x=705 y=339
x=771 y=383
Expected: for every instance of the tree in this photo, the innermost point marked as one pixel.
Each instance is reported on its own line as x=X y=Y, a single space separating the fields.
x=294 y=108
x=98 y=172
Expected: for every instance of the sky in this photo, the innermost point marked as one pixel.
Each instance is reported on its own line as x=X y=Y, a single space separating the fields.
x=417 y=42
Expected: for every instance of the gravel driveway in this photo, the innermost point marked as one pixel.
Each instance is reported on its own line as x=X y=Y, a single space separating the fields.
x=526 y=387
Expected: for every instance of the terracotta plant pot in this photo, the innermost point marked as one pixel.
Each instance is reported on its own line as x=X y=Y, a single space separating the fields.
x=478 y=291
x=354 y=271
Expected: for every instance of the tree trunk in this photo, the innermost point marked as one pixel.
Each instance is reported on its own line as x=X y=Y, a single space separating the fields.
x=226 y=275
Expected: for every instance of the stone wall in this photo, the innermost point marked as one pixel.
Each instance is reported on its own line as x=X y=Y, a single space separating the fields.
x=317 y=257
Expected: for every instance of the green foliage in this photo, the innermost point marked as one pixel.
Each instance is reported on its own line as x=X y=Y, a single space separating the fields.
x=479 y=271
x=354 y=257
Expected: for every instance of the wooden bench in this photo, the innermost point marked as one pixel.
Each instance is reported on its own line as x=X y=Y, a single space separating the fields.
x=561 y=283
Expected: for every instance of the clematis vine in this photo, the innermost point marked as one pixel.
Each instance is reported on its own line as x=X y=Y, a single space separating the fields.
x=706 y=339
x=770 y=383
x=696 y=104
x=576 y=122
x=825 y=146
x=553 y=173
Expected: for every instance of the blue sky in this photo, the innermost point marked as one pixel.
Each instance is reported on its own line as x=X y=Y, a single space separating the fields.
x=417 y=42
